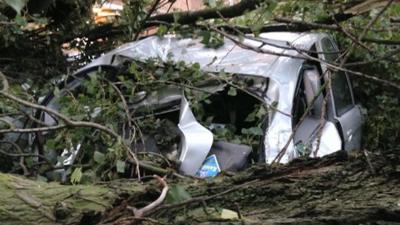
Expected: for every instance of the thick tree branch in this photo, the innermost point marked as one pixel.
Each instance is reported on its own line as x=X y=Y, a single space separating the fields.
x=382 y=41
x=303 y=25
x=149 y=13
x=190 y=17
x=187 y=17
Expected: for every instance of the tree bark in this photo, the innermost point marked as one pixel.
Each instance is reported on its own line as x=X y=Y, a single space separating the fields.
x=190 y=17
x=337 y=189
x=24 y=201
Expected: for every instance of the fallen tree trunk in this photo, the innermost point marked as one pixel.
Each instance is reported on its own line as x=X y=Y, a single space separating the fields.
x=24 y=201
x=337 y=189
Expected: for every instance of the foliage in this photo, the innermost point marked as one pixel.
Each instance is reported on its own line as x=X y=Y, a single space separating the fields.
x=32 y=55
x=114 y=98
x=382 y=114
x=381 y=104
x=177 y=194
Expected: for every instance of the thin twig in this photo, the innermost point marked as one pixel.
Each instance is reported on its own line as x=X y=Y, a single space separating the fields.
x=19 y=150
x=126 y=107
x=148 y=15
x=33 y=130
x=301 y=120
x=9 y=123
x=32 y=118
x=364 y=32
x=4 y=92
x=304 y=56
x=353 y=38
x=71 y=123
x=238 y=210
x=4 y=82
x=21 y=154
x=206 y=198
x=64 y=118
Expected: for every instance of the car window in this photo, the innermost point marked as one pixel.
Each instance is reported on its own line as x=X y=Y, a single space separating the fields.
x=299 y=104
x=238 y=109
x=340 y=85
x=341 y=93
x=329 y=50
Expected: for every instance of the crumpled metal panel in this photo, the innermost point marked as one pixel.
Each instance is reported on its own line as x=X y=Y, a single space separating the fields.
x=330 y=141
x=196 y=141
x=231 y=58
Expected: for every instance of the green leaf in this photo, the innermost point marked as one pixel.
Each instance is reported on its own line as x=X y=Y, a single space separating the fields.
x=120 y=166
x=256 y=131
x=206 y=36
x=177 y=194
x=232 y=91
x=162 y=30
x=21 y=21
x=133 y=70
x=76 y=176
x=261 y=112
x=40 y=20
x=17 y=5
x=99 y=157
x=211 y=39
x=56 y=92
x=176 y=17
x=251 y=117
x=51 y=144
x=88 y=177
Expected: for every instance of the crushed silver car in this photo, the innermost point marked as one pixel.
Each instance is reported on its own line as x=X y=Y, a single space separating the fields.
x=283 y=79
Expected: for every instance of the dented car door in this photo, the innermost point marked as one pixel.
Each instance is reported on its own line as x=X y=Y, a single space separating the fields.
x=346 y=114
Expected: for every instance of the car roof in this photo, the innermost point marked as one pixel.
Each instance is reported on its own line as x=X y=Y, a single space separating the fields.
x=230 y=57
x=282 y=64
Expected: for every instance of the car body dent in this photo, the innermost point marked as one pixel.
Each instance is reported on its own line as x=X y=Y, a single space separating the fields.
x=196 y=141
x=330 y=141
x=282 y=70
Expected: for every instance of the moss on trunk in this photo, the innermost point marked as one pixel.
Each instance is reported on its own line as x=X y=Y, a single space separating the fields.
x=25 y=201
x=337 y=189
